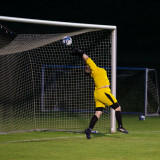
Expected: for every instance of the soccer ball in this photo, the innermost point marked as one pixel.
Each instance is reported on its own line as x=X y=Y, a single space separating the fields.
x=67 y=41
x=141 y=117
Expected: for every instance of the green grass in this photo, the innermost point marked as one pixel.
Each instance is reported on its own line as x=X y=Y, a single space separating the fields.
x=142 y=142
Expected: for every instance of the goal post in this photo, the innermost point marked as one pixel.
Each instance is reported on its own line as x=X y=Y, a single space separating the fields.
x=152 y=94
x=46 y=85
x=113 y=78
x=138 y=91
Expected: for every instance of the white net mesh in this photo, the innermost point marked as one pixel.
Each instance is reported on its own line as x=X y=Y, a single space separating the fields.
x=152 y=93
x=132 y=88
x=42 y=86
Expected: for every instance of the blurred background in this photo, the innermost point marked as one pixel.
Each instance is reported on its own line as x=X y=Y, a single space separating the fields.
x=137 y=22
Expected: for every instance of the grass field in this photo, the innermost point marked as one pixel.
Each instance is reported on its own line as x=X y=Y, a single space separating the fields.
x=142 y=142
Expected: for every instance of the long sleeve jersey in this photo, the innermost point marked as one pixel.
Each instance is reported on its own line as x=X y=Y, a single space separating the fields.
x=98 y=74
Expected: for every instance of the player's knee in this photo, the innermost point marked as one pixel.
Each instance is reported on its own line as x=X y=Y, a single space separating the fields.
x=98 y=114
x=99 y=111
x=116 y=107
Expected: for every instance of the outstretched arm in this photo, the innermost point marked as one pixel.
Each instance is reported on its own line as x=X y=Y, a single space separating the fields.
x=87 y=59
x=80 y=53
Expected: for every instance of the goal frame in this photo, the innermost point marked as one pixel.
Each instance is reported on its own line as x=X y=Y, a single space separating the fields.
x=83 y=25
x=146 y=93
x=145 y=82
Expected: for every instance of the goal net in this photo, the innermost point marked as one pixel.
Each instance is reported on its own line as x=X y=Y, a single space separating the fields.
x=43 y=86
x=137 y=91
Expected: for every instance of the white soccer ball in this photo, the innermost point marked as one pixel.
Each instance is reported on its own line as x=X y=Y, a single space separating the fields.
x=142 y=117
x=67 y=41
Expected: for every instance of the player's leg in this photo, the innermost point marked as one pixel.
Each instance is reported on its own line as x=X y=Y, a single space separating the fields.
x=119 y=120
x=105 y=96
x=112 y=102
x=96 y=116
x=94 y=119
x=118 y=115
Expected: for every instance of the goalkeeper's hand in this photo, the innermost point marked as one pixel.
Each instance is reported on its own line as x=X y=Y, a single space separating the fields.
x=78 y=52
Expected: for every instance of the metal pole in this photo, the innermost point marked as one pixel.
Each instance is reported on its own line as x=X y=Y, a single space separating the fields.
x=56 y=23
x=113 y=78
x=146 y=90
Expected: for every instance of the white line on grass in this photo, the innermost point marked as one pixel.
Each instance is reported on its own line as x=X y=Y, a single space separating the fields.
x=40 y=139
x=54 y=138
x=146 y=132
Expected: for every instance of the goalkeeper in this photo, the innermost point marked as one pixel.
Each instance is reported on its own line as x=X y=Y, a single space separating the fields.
x=102 y=93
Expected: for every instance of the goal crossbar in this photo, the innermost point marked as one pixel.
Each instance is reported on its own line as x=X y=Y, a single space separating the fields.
x=56 y=23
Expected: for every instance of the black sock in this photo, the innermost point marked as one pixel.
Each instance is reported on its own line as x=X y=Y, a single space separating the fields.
x=119 y=118
x=93 y=121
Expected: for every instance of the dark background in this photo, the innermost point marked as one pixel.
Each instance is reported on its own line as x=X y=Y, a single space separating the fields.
x=138 y=23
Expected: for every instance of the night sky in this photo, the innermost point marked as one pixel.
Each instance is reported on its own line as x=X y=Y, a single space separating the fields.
x=138 y=23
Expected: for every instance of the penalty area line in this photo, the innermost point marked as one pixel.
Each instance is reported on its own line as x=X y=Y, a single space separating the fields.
x=146 y=132
x=56 y=138
x=40 y=139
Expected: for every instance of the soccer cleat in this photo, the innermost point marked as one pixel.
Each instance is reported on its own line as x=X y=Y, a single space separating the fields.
x=121 y=129
x=88 y=133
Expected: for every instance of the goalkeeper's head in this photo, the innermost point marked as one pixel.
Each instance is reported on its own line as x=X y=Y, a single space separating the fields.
x=87 y=70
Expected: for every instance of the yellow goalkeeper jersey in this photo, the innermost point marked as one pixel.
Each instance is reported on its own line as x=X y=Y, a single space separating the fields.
x=98 y=74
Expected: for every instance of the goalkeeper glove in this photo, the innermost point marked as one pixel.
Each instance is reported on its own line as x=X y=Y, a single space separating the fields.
x=78 y=52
